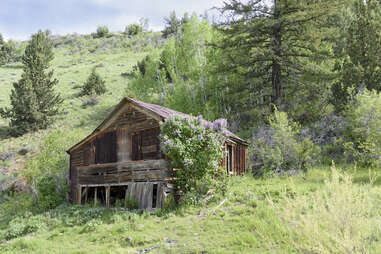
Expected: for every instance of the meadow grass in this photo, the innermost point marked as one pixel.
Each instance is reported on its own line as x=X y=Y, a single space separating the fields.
x=323 y=211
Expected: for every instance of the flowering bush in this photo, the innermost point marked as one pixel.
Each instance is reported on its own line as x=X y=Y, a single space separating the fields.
x=195 y=146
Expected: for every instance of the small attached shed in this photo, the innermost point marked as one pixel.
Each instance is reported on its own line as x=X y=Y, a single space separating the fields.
x=122 y=159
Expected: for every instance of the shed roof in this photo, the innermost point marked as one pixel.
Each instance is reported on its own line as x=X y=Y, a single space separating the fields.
x=160 y=111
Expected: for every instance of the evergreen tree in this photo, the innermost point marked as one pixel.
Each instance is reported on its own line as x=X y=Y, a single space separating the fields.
x=172 y=25
x=34 y=103
x=94 y=84
x=271 y=51
x=359 y=53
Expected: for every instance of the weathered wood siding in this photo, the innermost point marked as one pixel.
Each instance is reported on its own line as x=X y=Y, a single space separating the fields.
x=240 y=159
x=150 y=170
x=140 y=177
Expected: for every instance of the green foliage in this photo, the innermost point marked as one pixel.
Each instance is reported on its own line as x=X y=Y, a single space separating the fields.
x=131 y=203
x=359 y=53
x=272 y=54
x=22 y=225
x=133 y=29
x=47 y=173
x=102 y=31
x=174 y=26
x=94 y=84
x=7 y=52
x=181 y=66
x=34 y=103
x=363 y=135
x=195 y=147
x=281 y=149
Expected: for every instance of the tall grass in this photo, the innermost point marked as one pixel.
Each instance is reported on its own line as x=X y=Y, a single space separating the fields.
x=340 y=217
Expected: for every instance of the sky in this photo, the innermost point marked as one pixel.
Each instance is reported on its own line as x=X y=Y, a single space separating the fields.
x=21 y=18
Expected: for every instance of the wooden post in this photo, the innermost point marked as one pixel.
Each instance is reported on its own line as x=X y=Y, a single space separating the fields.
x=107 y=196
x=86 y=194
x=95 y=196
x=125 y=197
x=79 y=195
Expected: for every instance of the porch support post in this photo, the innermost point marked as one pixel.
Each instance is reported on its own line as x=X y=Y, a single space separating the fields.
x=107 y=196
x=95 y=196
x=79 y=194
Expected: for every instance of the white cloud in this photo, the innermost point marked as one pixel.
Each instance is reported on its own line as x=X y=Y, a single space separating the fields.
x=20 y=18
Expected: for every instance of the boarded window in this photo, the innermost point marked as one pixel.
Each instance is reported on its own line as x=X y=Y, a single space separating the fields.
x=146 y=145
x=105 y=151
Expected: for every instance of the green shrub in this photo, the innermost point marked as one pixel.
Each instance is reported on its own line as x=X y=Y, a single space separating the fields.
x=94 y=85
x=131 y=204
x=48 y=197
x=363 y=134
x=102 y=31
x=195 y=146
x=280 y=149
x=47 y=172
x=22 y=225
x=133 y=29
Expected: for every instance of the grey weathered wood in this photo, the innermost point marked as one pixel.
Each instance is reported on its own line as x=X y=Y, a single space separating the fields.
x=107 y=196
x=159 y=198
x=95 y=196
x=79 y=195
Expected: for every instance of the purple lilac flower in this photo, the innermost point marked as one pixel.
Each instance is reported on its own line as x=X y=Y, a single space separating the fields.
x=219 y=124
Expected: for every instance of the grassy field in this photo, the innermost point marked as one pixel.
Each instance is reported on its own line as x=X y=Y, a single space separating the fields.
x=324 y=211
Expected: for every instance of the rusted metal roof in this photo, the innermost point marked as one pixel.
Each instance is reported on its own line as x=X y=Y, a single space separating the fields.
x=158 y=110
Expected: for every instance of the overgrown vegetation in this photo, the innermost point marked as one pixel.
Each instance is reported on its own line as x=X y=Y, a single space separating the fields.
x=195 y=147
x=324 y=210
x=280 y=148
x=318 y=62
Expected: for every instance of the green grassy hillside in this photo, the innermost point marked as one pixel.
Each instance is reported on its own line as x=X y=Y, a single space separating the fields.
x=75 y=56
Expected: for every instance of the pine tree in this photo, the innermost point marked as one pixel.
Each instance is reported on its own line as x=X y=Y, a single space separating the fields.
x=34 y=103
x=172 y=25
x=274 y=47
x=359 y=56
x=94 y=84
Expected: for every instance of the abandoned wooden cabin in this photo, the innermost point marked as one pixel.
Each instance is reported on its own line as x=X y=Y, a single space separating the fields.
x=122 y=159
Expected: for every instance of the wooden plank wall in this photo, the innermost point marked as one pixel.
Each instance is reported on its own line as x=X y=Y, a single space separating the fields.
x=146 y=145
x=150 y=170
x=240 y=160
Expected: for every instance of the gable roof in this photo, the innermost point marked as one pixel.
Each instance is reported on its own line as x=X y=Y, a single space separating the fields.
x=159 y=111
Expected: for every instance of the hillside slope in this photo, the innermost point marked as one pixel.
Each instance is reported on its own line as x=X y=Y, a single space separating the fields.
x=75 y=56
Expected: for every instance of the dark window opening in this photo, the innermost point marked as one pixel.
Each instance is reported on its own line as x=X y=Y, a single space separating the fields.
x=118 y=195
x=95 y=196
x=105 y=151
x=154 y=195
